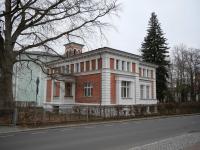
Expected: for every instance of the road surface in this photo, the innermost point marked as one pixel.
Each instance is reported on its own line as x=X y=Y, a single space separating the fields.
x=111 y=136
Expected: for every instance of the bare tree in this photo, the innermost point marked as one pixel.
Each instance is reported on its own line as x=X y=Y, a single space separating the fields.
x=37 y=23
x=186 y=65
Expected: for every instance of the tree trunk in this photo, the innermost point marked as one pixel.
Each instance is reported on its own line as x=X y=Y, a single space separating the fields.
x=6 y=93
x=6 y=72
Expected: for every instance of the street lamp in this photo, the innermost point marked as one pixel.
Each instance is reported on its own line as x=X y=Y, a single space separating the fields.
x=37 y=87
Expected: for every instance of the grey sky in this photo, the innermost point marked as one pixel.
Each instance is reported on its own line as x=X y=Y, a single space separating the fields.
x=180 y=21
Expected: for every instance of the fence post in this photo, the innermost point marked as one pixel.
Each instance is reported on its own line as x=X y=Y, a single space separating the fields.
x=87 y=113
x=155 y=109
x=44 y=116
x=15 y=116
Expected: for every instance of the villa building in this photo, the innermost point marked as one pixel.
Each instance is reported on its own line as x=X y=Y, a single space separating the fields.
x=103 y=76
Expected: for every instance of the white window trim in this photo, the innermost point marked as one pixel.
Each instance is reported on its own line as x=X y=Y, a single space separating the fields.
x=127 y=89
x=88 y=87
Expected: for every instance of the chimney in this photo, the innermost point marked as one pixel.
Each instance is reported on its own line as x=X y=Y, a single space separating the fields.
x=72 y=49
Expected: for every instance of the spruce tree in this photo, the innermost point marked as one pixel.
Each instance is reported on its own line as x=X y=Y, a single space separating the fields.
x=155 y=50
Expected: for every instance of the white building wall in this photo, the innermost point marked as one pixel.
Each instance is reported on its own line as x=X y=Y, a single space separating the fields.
x=105 y=83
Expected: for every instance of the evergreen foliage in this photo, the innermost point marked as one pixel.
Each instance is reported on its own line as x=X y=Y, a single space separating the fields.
x=155 y=50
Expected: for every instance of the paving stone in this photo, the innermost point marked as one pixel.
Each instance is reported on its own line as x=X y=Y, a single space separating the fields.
x=174 y=143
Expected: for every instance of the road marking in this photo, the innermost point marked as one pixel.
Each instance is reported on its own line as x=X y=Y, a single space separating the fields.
x=39 y=132
x=4 y=136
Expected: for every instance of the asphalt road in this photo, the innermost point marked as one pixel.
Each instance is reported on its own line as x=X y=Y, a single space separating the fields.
x=111 y=136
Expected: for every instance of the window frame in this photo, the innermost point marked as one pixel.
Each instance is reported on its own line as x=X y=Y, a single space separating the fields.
x=148 y=92
x=128 y=67
x=125 y=89
x=141 y=91
x=70 y=93
x=123 y=65
x=88 y=89
x=117 y=64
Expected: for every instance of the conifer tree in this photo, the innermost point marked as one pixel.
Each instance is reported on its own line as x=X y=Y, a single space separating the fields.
x=155 y=50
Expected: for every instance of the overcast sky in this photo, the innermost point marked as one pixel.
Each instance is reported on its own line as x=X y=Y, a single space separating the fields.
x=180 y=21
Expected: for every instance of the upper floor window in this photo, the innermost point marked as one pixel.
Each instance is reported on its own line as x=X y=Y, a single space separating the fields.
x=152 y=74
x=88 y=89
x=117 y=64
x=94 y=64
x=125 y=89
x=67 y=68
x=123 y=65
x=77 y=67
x=140 y=72
x=128 y=66
x=87 y=65
x=144 y=72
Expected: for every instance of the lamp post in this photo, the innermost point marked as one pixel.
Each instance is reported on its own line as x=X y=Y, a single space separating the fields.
x=37 y=87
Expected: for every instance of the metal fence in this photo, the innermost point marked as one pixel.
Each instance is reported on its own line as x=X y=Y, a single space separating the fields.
x=32 y=115
x=27 y=114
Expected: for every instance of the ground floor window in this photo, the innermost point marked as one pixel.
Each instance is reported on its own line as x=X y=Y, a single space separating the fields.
x=56 y=89
x=125 y=89
x=68 y=89
x=88 y=89
x=147 y=92
x=141 y=91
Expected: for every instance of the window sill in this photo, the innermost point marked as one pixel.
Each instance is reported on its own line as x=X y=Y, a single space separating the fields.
x=68 y=96
x=148 y=99
x=126 y=98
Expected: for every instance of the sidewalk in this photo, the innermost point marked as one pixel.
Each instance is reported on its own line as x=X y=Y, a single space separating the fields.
x=10 y=129
x=193 y=147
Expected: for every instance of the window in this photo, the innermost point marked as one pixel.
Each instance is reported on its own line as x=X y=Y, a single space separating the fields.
x=56 y=89
x=141 y=91
x=123 y=65
x=100 y=63
x=117 y=64
x=68 y=89
x=152 y=74
x=133 y=67
x=128 y=66
x=63 y=69
x=88 y=89
x=67 y=68
x=82 y=67
x=94 y=64
x=112 y=60
x=147 y=92
x=77 y=67
x=87 y=65
x=144 y=72
x=72 y=68
x=140 y=72
x=125 y=89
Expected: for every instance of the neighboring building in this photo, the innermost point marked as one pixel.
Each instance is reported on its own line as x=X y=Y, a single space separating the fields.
x=104 y=76
x=25 y=75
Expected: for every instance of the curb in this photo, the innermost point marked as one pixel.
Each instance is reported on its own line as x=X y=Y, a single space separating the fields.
x=96 y=123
